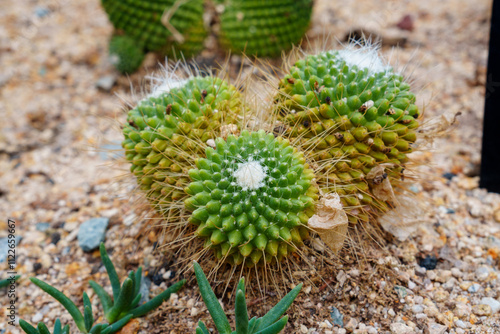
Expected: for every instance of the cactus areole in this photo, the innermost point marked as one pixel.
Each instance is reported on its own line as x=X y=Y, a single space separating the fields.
x=251 y=198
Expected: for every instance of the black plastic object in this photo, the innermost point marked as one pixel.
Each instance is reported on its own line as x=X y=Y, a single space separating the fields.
x=490 y=160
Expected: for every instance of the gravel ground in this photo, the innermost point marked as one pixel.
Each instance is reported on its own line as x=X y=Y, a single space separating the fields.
x=57 y=109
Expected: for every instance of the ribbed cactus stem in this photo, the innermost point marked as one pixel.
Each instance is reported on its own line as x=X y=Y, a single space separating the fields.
x=251 y=198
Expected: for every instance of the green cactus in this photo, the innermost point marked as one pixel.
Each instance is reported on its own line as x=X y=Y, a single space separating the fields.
x=167 y=130
x=264 y=27
x=125 y=53
x=351 y=113
x=251 y=198
x=269 y=323
x=141 y=22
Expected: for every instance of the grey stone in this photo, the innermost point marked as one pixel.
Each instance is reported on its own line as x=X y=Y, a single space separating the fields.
x=42 y=227
x=474 y=288
x=5 y=246
x=42 y=12
x=106 y=83
x=435 y=328
x=401 y=291
x=92 y=233
x=399 y=328
x=144 y=289
x=337 y=317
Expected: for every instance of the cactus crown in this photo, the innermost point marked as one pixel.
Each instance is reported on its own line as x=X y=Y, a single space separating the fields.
x=250 y=197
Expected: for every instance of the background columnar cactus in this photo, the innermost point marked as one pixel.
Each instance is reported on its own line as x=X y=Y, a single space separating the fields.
x=264 y=27
x=169 y=129
x=251 y=198
x=141 y=22
x=351 y=113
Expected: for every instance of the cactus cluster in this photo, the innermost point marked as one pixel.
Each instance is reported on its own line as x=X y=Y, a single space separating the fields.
x=350 y=113
x=167 y=129
x=342 y=122
x=264 y=27
x=141 y=22
x=251 y=198
x=176 y=27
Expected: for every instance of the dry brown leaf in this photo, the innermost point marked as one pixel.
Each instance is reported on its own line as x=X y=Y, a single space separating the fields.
x=330 y=221
x=380 y=184
x=402 y=221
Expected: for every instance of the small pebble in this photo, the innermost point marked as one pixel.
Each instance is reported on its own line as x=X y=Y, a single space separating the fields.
x=106 y=83
x=91 y=233
x=493 y=303
x=435 y=328
x=417 y=309
x=399 y=328
x=4 y=246
x=42 y=227
x=144 y=289
x=401 y=291
x=337 y=317
x=474 y=288
x=429 y=262
x=482 y=309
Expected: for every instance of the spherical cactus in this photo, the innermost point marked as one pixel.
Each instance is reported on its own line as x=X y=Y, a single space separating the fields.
x=170 y=27
x=264 y=27
x=251 y=198
x=169 y=129
x=125 y=54
x=351 y=113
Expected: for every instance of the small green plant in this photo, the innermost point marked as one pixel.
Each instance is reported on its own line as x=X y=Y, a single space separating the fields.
x=118 y=310
x=6 y=282
x=42 y=328
x=268 y=324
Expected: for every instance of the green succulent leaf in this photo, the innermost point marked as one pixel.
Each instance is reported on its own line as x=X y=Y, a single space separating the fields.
x=97 y=329
x=122 y=302
x=57 y=326
x=277 y=311
x=87 y=312
x=211 y=301
x=27 y=328
x=88 y=318
x=254 y=322
x=6 y=282
x=202 y=328
x=138 y=280
x=65 y=301
x=276 y=327
x=104 y=297
x=42 y=328
x=156 y=301
x=136 y=301
x=110 y=269
x=65 y=330
x=117 y=325
x=241 y=312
